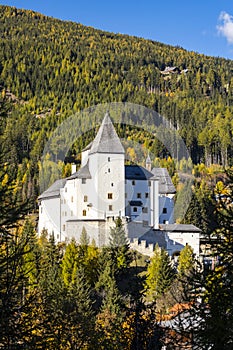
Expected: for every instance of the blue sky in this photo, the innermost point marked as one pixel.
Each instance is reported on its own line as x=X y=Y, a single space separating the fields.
x=202 y=26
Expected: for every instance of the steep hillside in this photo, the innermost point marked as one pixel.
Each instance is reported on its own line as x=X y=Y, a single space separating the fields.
x=52 y=67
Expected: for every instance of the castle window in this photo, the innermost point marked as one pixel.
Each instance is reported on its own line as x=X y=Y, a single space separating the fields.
x=139 y=195
x=135 y=209
x=64 y=227
x=109 y=195
x=110 y=207
x=145 y=210
x=85 y=198
x=83 y=181
x=109 y=159
x=84 y=212
x=146 y=195
x=133 y=182
x=164 y=210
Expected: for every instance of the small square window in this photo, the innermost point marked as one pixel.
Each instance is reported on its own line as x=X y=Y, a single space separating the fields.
x=110 y=207
x=109 y=195
x=84 y=212
x=135 y=209
x=164 y=210
x=83 y=181
x=139 y=195
x=85 y=198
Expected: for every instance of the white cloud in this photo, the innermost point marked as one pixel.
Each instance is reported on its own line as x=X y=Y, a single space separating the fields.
x=226 y=27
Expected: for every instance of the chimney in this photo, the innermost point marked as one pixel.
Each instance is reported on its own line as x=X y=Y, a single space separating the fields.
x=73 y=168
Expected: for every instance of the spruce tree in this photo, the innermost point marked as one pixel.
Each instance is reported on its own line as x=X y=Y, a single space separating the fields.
x=210 y=293
x=186 y=260
x=68 y=263
x=119 y=248
x=79 y=314
x=109 y=319
x=160 y=273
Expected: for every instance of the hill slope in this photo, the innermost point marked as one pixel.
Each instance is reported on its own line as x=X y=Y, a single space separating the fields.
x=57 y=66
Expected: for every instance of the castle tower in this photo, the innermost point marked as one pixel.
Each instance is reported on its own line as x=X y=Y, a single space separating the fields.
x=106 y=164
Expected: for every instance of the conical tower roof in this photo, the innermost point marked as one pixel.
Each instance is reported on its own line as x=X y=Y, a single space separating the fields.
x=148 y=160
x=107 y=140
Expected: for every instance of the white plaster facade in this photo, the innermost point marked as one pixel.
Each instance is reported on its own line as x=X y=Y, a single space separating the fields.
x=105 y=188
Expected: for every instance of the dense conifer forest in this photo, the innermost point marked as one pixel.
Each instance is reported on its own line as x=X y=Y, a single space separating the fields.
x=78 y=296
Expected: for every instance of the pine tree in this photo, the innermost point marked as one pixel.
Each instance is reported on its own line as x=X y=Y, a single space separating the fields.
x=109 y=319
x=186 y=260
x=210 y=293
x=68 y=263
x=119 y=248
x=160 y=273
x=78 y=313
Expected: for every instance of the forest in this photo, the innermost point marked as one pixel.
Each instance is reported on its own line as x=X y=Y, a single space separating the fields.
x=79 y=296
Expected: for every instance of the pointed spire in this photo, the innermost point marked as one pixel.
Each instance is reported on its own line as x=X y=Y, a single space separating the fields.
x=148 y=162
x=107 y=140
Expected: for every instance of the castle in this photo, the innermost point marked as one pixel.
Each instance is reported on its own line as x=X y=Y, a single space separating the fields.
x=104 y=188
